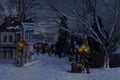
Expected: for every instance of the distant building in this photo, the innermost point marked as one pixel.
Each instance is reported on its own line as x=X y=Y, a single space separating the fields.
x=11 y=32
x=46 y=31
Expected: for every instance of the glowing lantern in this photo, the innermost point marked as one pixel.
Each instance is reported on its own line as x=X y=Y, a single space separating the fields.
x=83 y=49
x=21 y=44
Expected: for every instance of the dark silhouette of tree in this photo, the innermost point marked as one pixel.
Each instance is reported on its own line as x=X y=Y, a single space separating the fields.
x=63 y=36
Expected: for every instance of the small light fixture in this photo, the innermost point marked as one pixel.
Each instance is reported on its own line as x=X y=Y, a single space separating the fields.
x=83 y=49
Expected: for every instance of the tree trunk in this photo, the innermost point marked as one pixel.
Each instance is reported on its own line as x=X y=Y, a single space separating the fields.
x=107 y=61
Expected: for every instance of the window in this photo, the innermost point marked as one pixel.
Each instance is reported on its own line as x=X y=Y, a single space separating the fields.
x=10 y=38
x=18 y=37
x=4 y=38
x=31 y=35
x=27 y=36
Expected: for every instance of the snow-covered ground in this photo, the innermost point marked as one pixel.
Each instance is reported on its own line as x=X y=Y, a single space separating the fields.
x=53 y=68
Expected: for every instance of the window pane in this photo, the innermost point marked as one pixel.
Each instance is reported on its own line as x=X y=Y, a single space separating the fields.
x=10 y=38
x=5 y=38
x=18 y=37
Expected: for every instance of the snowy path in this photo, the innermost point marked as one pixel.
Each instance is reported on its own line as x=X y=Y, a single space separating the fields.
x=53 y=68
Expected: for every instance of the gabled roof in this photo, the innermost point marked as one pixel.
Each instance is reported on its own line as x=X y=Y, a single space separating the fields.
x=8 y=22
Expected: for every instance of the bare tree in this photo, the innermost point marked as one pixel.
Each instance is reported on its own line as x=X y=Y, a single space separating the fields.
x=85 y=12
x=19 y=8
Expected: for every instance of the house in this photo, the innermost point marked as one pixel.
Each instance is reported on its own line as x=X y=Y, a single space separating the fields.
x=46 y=30
x=11 y=32
x=28 y=33
x=28 y=30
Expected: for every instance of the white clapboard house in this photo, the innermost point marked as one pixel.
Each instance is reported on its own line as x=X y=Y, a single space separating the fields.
x=11 y=32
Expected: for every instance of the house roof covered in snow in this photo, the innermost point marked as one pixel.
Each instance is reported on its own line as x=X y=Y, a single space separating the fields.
x=10 y=24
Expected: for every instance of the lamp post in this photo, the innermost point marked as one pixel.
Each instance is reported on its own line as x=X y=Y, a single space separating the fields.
x=83 y=51
x=21 y=46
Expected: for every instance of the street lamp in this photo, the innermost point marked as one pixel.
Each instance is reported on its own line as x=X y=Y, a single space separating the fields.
x=21 y=46
x=83 y=50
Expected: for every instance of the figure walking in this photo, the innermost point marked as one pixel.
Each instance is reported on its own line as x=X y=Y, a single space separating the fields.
x=87 y=64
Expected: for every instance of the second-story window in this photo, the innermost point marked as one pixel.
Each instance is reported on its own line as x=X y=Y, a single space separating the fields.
x=5 y=38
x=18 y=37
x=10 y=38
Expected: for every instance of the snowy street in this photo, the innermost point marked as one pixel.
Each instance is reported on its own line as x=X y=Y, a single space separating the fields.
x=59 y=39
x=53 y=68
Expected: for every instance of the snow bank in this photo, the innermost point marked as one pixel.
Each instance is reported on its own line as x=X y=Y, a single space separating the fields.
x=53 y=68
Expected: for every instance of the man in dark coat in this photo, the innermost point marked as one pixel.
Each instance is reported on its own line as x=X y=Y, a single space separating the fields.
x=87 y=64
